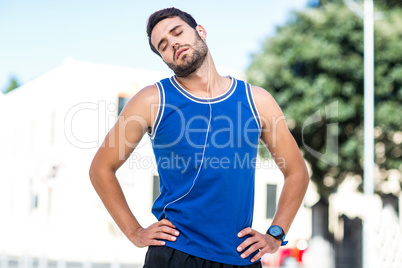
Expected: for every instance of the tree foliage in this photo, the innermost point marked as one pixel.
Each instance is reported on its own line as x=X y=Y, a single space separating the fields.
x=382 y=4
x=388 y=4
x=315 y=63
x=13 y=85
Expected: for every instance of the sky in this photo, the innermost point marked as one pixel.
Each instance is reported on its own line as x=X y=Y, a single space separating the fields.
x=36 y=36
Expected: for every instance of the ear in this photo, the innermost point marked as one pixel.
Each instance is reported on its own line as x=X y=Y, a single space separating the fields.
x=201 y=31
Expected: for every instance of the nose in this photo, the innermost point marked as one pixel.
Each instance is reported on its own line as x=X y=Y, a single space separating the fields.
x=175 y=44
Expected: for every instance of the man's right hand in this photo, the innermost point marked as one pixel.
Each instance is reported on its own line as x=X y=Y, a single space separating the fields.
x=155 y=233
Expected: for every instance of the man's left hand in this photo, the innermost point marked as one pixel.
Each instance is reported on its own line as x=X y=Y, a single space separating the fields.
x=257 y=241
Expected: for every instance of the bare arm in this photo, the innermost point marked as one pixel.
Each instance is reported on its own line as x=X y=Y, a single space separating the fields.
x=133 y=122
x=285 y=152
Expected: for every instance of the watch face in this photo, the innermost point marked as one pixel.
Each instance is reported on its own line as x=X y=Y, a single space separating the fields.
x=275 y=230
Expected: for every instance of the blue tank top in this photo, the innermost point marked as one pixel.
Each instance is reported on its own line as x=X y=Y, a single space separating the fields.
x=208 y=196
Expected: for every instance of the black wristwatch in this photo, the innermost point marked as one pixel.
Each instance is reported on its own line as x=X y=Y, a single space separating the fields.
x=277 y=232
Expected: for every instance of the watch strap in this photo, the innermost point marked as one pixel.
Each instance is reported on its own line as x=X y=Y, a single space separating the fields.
x=281 y=236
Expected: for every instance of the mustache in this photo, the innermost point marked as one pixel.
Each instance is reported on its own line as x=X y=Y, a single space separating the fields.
x=179 y=47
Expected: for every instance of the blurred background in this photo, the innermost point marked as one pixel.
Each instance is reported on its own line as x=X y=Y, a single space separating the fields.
x=67 y=68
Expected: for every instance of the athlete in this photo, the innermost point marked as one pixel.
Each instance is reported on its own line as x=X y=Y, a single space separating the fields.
x=205 y=129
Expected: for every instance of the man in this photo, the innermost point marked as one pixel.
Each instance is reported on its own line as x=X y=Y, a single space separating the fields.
x=209 y=127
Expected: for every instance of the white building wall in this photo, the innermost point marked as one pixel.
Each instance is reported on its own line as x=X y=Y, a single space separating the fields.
x=51 y=131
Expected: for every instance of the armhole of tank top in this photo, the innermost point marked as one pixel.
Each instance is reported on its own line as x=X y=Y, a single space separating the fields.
x=253 y=107
x=160 y=110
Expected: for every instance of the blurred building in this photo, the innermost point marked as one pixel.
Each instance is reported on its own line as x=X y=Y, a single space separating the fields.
x=51 y=129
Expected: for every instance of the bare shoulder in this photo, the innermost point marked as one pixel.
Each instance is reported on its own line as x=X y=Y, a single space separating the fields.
x=143 y=104
x=147 y=95
x=265 y=102
x=261 y=92
x=150 y=90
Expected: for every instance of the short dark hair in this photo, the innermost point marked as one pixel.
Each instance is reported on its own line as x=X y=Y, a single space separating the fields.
x=164 y=14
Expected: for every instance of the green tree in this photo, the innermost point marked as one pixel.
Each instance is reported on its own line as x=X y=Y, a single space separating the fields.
x=314 y=61
x=388 y=4
x=13 y=85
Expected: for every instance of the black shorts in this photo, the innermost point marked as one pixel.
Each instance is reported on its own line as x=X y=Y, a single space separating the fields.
x=166 y=257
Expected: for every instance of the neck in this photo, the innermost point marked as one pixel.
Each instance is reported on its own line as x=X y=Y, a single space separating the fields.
x=205 y=78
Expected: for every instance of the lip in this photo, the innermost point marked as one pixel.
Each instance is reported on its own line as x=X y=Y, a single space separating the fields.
x=180 y=51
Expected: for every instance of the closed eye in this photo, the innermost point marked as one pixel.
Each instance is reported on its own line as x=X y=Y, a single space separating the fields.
x=164 y=43
x=174 y=30
x=164 y=46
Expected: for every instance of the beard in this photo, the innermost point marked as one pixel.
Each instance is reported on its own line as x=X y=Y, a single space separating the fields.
x=190 y=63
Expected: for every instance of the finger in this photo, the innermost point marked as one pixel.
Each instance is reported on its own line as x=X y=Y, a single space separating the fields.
x=251 y=249
x=257 y=256
x=169 y=230
x=245 y=231
x=167 y=223
x=249 y=241
x=164 y=236
x=154 y=242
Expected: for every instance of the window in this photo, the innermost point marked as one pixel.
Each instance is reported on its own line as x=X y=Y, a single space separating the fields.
x=122 y=102
x=271 y=200
x=52 y=128
x=127 y=91
x=155 y=189
x=34 y=201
